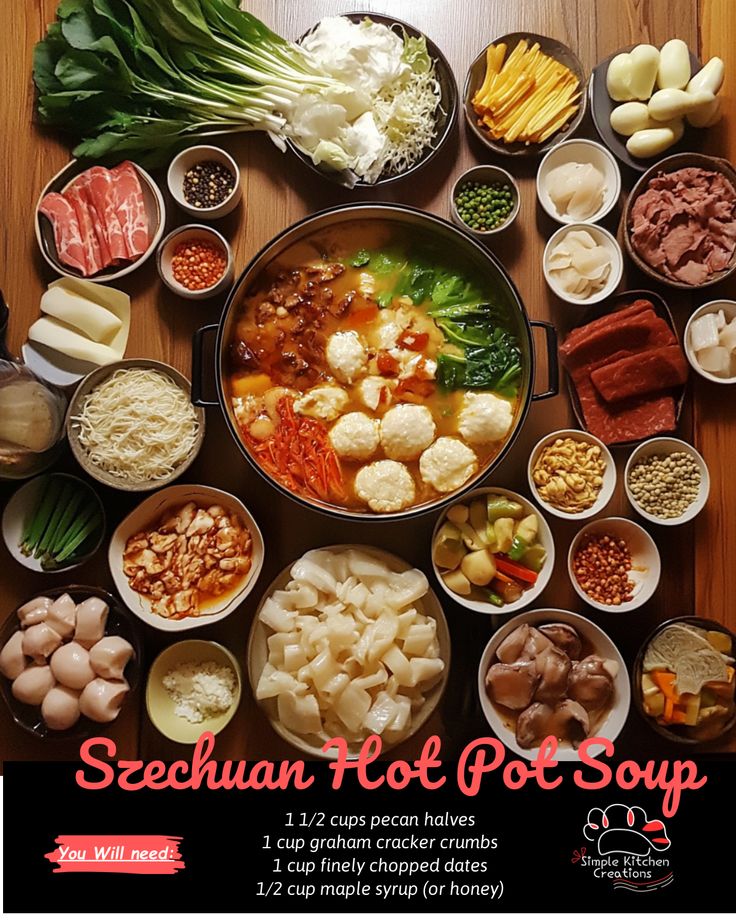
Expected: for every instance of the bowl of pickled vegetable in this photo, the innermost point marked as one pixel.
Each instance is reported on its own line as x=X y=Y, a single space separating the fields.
x=485 y=200
x=493 y=552
x=684 y=681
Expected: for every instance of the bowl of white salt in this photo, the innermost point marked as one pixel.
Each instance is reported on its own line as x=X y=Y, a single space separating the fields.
x=193 y=686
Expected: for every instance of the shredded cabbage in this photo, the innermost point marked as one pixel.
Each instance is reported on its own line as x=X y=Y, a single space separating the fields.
x=386 y=120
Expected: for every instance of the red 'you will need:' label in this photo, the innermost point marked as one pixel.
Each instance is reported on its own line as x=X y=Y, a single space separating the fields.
x=146 y=854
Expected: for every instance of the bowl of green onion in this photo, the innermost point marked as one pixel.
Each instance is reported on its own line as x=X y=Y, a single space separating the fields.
x=485 y=200
x=53 y=523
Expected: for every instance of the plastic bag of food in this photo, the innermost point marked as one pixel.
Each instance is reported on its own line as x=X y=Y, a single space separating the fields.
x=31 y=421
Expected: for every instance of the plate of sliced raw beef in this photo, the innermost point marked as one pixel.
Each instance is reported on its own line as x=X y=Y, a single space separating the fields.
x=626 y=370
x=99 y=223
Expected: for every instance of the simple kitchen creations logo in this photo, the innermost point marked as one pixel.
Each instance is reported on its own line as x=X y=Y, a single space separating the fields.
x=626 y=848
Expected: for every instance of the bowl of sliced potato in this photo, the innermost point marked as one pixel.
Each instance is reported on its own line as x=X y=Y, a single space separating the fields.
x=524 y=93
x=493 y=552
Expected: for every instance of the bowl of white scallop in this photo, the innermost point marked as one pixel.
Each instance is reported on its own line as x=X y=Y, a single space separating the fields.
x=70 y=658
x=578 y=180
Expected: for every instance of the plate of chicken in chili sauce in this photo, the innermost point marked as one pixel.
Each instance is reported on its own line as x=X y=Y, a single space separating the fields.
x=187 y=556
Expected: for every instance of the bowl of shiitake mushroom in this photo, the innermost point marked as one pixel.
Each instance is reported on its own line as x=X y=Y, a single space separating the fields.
x=553 y=673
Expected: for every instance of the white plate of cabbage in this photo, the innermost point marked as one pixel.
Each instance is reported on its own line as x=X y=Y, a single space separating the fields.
x=348 y=641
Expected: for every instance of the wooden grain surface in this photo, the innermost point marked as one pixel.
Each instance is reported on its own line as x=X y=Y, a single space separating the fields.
x=698 y=560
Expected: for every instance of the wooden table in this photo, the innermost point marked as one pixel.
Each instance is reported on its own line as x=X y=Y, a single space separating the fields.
x=697 y=560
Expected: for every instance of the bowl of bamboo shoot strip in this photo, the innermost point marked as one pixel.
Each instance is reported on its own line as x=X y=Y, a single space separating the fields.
x=53 y=523
x=524 y=93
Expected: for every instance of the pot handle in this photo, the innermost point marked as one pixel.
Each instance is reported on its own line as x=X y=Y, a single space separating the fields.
x=197 y=382
x=553 y=371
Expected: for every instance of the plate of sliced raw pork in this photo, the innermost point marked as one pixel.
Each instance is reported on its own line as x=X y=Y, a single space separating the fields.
x=99 y=223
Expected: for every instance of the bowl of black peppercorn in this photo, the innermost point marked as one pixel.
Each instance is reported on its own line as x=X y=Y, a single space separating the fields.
x=205 y=181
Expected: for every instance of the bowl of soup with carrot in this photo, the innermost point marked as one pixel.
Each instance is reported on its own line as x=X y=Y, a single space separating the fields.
x=375 y=362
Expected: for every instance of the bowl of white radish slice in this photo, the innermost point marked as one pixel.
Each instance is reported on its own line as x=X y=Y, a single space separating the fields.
x=348 y=641
x=710 y=341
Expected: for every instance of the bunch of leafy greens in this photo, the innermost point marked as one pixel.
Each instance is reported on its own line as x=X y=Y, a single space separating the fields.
x=489 y=357
x=143 y=77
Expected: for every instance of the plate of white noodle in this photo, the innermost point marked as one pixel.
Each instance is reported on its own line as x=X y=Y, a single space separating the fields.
x=131 y=425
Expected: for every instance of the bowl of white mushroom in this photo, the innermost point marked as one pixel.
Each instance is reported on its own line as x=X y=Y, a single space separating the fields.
x=349 y=641
x=69 y=660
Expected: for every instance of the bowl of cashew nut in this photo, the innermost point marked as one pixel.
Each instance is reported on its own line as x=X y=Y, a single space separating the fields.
x=572 y=474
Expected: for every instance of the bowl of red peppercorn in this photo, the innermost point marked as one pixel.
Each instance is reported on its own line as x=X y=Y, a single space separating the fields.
x=614 y=564
x=195 y=262
x=205 y=182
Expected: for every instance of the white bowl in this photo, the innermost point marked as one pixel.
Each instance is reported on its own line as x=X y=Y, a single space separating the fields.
x=616 y=719
x=545 y=538
x=22 y=503
x=713 y=306
x=667 y=446
x=609 y=474
x=148 y=513
x=602 y=238
x=161 y=707
x=646 y=565
x=153 y=202
x=487 y=174
x=257 y=656
x=184 y=161
x=580 y=151
x=166 y=253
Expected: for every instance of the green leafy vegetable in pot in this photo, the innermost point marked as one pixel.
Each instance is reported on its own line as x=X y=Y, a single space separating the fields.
x=485 y=354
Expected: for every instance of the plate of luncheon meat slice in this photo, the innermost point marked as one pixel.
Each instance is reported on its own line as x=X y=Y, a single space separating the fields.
x=626 y=369
x=99 y=223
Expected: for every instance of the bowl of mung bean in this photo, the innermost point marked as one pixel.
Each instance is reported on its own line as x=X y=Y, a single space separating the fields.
x=572 y=474
x=667 y=481
x=614 y=564
x=485 y=200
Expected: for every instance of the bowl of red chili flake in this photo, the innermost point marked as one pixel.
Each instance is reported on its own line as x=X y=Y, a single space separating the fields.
x=614 y=564
x=195 y=262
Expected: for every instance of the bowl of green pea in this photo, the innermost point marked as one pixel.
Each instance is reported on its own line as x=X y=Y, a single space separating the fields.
x=485 y=200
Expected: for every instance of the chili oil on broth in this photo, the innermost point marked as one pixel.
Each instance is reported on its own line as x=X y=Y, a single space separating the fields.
x=276 y=349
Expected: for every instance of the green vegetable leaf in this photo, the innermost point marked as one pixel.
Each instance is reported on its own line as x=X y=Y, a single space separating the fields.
x=362 y=257
x=386 y=262
x=385 y=299
x=450 y=372
x=45 y=56
x=415 y=53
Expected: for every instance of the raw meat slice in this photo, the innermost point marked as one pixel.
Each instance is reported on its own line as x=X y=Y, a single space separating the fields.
x=128 y=203
x=80 y=187
x=67 y=235
x=631 y=332
x=582 y=332
x=95 y=185
x=93 y=257
x=630 y=420
x=641 y=374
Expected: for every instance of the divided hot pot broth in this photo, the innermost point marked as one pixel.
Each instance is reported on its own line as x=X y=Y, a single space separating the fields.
x=372 y=370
